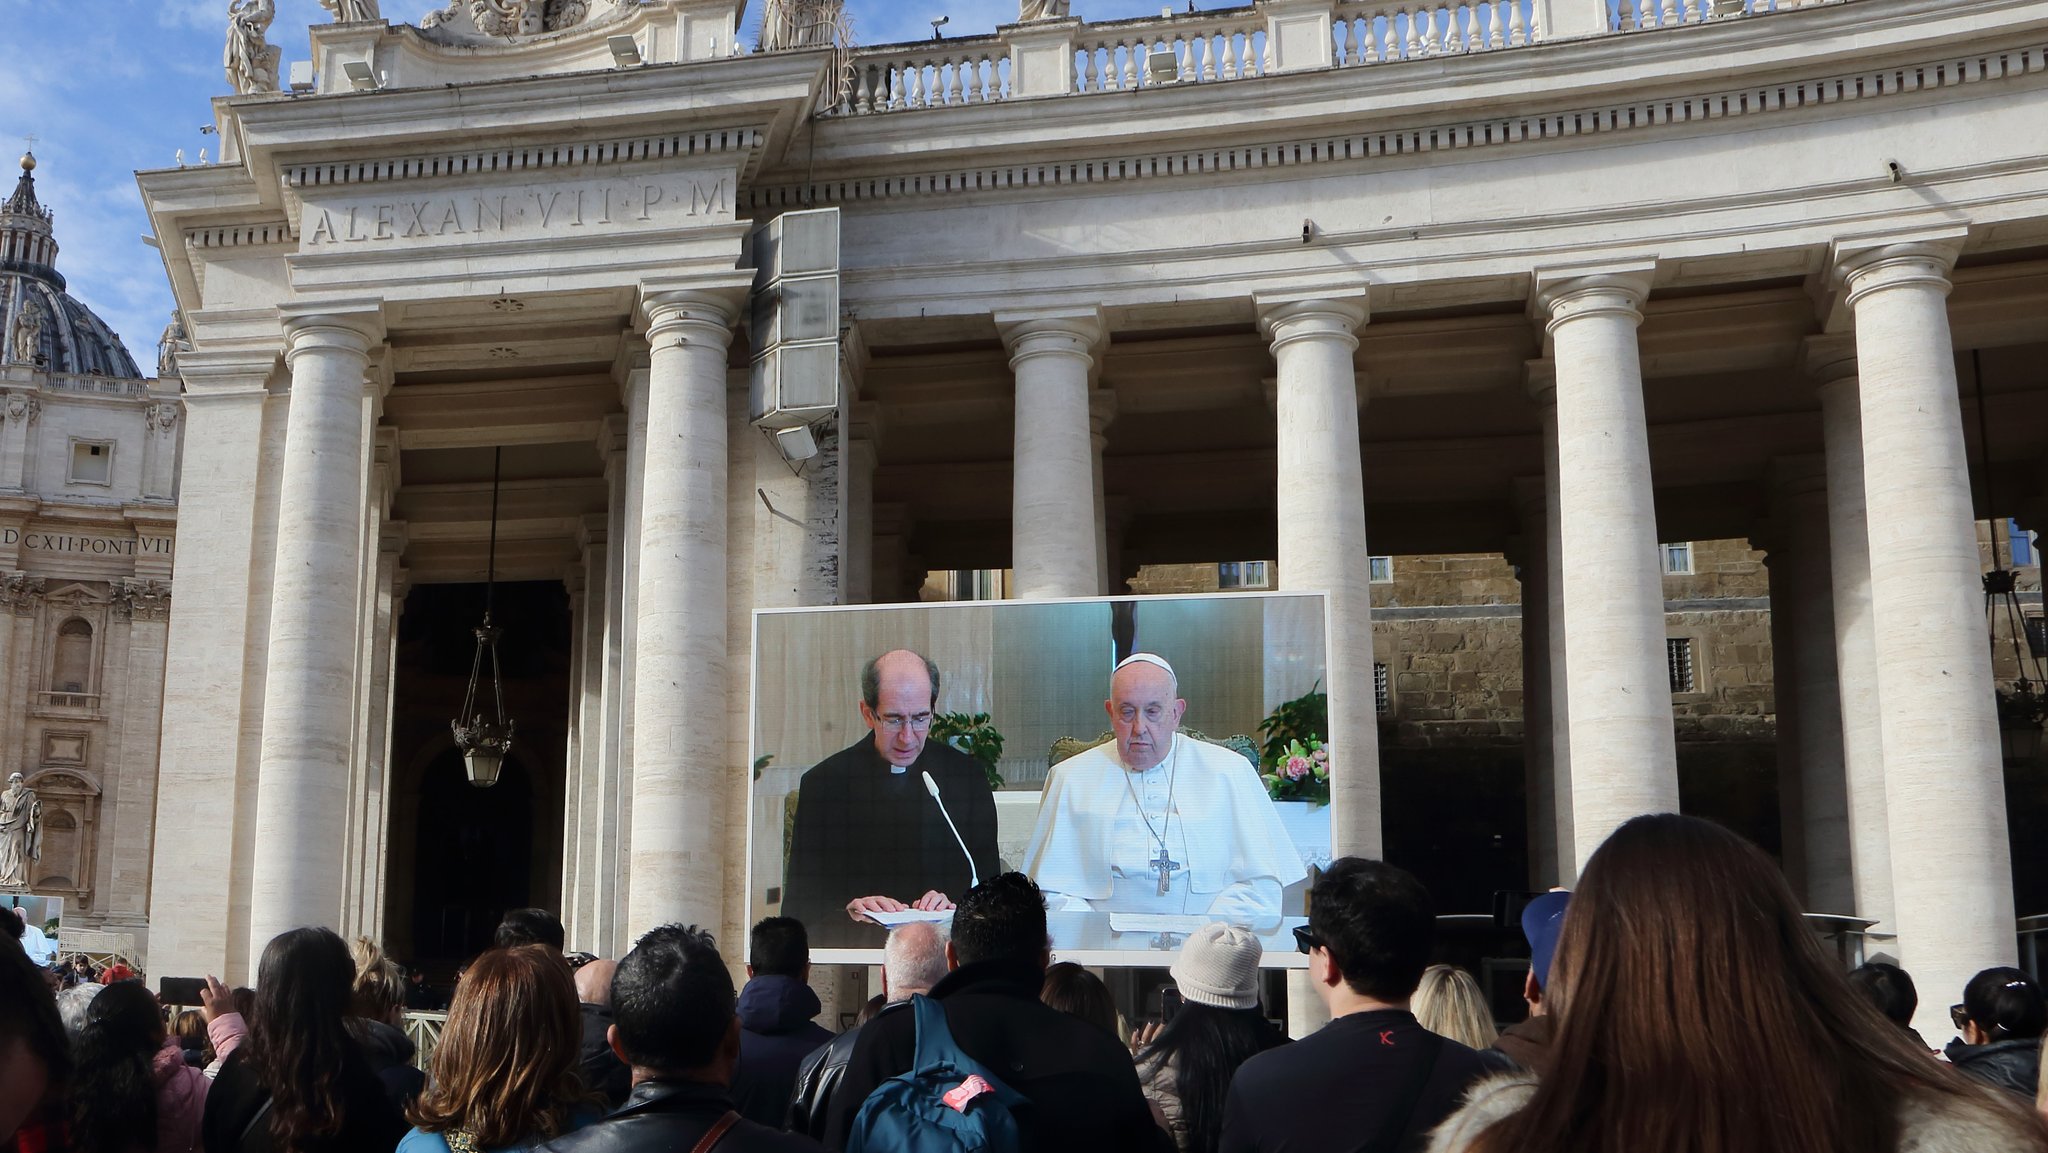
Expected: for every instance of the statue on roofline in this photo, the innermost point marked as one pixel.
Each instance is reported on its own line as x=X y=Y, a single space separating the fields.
x=249 y=59
x=1029 y=10
x=352 y=11
x=801 y=24
x=28 y=332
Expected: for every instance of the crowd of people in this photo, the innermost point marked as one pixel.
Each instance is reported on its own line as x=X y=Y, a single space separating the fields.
x=1676 y=1001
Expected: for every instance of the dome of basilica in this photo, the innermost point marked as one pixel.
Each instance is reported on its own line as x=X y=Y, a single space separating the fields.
x=40 y=323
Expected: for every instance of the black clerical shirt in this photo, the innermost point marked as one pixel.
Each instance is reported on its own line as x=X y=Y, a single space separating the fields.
x=863 y=831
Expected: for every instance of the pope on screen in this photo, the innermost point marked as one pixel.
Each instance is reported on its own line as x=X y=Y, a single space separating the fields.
x=1158 y=822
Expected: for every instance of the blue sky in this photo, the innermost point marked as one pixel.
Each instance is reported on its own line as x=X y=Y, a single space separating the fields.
x=111 y=86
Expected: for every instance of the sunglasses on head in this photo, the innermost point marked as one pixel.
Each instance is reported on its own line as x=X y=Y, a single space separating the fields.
x=1959 y=1014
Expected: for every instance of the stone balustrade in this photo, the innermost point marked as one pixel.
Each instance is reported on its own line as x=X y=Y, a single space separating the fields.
x=1072 y=56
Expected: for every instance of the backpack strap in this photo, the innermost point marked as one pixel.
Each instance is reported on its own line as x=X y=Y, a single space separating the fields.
x=1408 y=1097
x=932 y=1031
x=716 y=1133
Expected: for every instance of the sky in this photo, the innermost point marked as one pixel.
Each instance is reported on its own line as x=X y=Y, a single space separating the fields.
x=107 y=87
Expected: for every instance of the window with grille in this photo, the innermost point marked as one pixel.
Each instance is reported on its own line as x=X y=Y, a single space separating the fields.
x=1677 y=558
x=1678 y=655
x=1242 y=574
x=92 y=462
x=1380 y=568
x=1382 y=693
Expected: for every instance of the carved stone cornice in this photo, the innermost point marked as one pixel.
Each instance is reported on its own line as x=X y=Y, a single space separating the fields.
x=19 y=593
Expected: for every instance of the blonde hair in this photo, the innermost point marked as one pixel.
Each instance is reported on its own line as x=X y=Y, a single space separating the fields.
x=379 y=987
x=1448 y=1002
x=2041 y=1090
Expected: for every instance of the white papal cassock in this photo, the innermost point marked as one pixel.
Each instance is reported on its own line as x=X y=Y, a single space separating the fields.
x=1097 y=841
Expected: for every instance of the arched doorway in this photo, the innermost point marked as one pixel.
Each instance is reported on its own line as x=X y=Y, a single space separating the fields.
x=469 y=863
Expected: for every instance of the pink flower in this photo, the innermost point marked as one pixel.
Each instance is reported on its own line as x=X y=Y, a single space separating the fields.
x=1322 y=754
x=1296 y=768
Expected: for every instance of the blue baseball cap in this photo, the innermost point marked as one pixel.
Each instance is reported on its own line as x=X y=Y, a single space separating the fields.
x=1541 y=922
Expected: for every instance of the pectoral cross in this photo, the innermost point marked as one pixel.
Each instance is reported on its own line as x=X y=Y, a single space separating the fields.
x=1164 y=865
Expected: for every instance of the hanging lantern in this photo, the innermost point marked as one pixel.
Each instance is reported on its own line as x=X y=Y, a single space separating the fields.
x=484 y=740
x=2022 y=710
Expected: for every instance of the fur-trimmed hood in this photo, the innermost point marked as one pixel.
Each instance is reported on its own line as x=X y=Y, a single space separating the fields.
x=1926 y=1125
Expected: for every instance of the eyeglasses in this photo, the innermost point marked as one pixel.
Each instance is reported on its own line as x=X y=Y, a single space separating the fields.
x=1959 y=1014
x=896 y=722
x=1306 y=940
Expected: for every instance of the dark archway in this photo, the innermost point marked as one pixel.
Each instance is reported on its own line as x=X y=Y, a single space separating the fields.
x=469 y=863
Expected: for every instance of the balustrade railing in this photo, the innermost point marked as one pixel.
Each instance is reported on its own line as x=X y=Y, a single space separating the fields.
x=1025 y=60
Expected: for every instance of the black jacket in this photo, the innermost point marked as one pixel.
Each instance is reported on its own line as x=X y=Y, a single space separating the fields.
x=390 y=1053
x=671 y=1117
x=776 y=1034
x=1336 y=1090
x=863 y=831
x=370 y=1123
x=603 y=1072
x=818 y=1078
x=2014 y=1066
x=1081 y=1084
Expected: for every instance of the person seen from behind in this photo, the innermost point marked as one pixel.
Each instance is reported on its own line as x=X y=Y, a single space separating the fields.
x=1449 y=1003
x=603 y=1073
x=1373 y=1080
x=1891 y=990
x=1527 y=1042
x=376 y=1019
x=776 y=1010
x=505 y=1070
x=299 y=1083
x=2001 y=1019
x=675 y=1025
x=1186 y=1064
x=530 y=927
x=1697 y=1013
x=1077 y=992
x=35 y=1055
x=131 y=1087
x=1079 y=1090
x=913 y=961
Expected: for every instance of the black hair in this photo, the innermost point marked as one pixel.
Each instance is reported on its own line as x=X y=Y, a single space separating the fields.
x=672 y=1000
x=14 y=922
x=1888 y=987
x=1077 y=992
x=1207 y=1044
x=1377 y=922
x=529 y=927
x=32 y=1011
x=871 y=680
x=779 y=947
x=1003 y=918
x=297 y=1040
x=113 y=1091
x=2006 y=1004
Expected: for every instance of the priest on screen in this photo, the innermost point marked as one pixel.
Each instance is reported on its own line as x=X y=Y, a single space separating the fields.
x=1157 y=822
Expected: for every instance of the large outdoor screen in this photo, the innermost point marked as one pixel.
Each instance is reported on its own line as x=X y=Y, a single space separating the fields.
x=1152 y=762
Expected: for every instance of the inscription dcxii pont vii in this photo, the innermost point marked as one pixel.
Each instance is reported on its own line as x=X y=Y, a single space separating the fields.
x=655 y=201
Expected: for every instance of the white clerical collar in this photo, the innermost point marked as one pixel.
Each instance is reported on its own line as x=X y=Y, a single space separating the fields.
x=898 y=770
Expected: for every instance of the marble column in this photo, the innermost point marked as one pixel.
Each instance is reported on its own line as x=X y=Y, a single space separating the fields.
x=308 y=698
x=1101 y=414
x=679 y=698
x=863 y=446
x=1785 y=706
x=1943 y=767
x=581 y=882
x=1322 y=548
x=1832 y=360
x=1799 y=522
x=1541 y=378
x=123 y=890
x=1054 y=532
x=625 y=452
x=1624 y=758
x=1539 y=748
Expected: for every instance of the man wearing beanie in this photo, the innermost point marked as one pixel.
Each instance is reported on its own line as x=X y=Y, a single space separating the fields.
x=1185 y=1067
x=1373 y=1080
x=1528 y=1044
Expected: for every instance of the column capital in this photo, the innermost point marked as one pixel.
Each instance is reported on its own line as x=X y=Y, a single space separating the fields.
x=1830 y=357
x=393 y=536
x=593 y=530
x=1864 y=267
x=351 y=325
x=1570 y=293
x=227 y=372
x=705 y=313
x=1285 y=317
x=1101 y=410
x=1073 y=332
x=1540 y=378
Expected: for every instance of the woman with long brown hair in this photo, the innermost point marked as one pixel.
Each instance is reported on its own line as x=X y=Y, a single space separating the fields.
x=1697 y=1013
x=505 y=1072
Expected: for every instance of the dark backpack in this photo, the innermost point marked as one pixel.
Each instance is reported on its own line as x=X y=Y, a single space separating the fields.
x=947 y=1103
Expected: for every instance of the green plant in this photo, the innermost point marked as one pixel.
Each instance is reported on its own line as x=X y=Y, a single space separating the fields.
x=975 y=735
x=1305 y=718
x=1303 y=774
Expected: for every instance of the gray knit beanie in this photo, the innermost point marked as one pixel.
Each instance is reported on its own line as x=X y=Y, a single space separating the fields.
x=1219 y=966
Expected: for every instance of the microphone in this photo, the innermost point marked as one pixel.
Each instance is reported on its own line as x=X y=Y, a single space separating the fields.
x=931 y=786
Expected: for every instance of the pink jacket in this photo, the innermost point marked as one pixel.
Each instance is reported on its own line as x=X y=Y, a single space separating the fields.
x=181 y=1089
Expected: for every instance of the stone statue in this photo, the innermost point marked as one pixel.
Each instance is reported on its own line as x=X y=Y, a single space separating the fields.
x=1043 y=10
x=800 y=24
x=21 y=833
x=28 y=332
x=170 y=344
x=251 y=60
x=352 y=11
